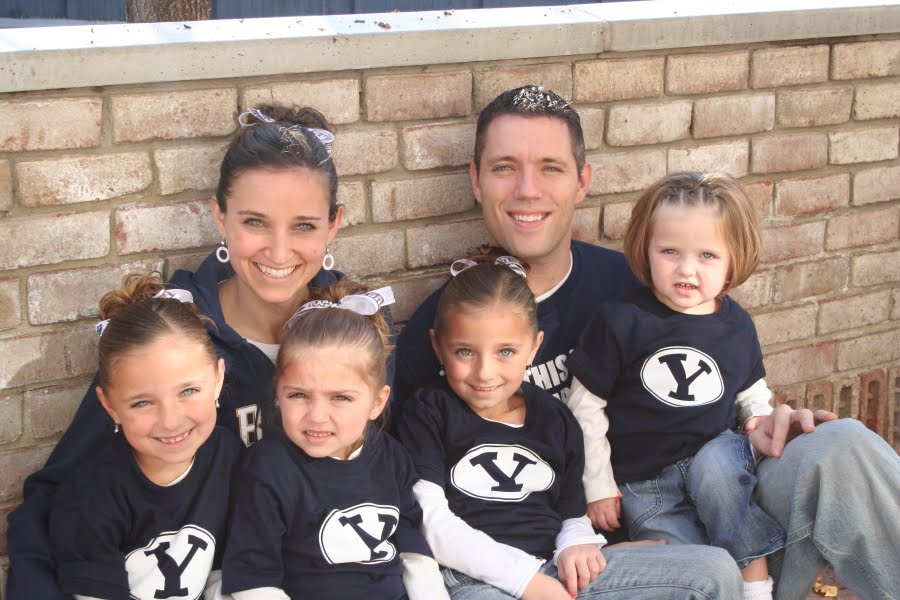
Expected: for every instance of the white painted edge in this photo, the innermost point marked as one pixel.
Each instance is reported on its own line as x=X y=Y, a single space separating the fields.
x=98 y=55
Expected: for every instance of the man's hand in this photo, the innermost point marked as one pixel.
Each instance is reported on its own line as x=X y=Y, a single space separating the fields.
x=578 y=565
x=544 y=587
x=774 y=431
x=605 y=513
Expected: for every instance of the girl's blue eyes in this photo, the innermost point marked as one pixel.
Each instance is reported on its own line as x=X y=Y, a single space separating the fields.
x=300 y=226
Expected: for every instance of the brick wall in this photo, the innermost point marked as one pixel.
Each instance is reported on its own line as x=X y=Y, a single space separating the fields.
x=98 y=182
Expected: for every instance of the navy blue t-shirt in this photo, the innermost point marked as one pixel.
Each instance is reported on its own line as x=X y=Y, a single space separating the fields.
x=320 y=527
x=516 y=484
x=670 y=379
x=115 y=534
x=598 y=274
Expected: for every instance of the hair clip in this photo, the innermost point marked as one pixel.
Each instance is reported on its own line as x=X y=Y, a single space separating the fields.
x=173 y=293
x=461 y=264
x=244 y=117
x=288 y=134
x=362 y=304
x=536 y=98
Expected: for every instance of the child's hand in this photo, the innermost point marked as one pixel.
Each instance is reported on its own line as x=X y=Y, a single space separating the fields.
x=750 y=424
x=578 y=565
x=544 y=587
x=605 y=513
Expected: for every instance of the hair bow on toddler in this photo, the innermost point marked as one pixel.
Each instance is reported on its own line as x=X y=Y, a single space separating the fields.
x=362 y=304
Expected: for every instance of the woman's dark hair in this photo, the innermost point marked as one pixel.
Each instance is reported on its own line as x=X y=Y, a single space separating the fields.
x=136 y=319
x=485 y=284
x=285 y=143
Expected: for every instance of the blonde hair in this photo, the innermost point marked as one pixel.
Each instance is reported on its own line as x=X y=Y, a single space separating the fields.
x=740 y=225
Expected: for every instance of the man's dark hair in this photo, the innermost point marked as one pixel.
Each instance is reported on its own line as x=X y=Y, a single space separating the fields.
x=531 y=101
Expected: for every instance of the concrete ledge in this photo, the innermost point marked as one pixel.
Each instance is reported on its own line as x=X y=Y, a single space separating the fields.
x=71 y=57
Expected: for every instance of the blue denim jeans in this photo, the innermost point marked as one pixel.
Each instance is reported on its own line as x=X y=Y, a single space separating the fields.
x=836 y=493
x=645 y=572
x=705 y=499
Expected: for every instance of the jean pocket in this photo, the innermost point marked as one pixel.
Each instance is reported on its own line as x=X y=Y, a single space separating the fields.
x=640 y=501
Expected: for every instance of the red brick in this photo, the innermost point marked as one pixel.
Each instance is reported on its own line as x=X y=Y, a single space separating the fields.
x=74 y=293
x=370 y=253
x=444 y=145
x=869 y=350
x=170 y=227
x=794 y=396
x=6 y=193
x=337 y=99
x=862 y=60
x=797 y=365
x=626 y=171
x=10 y=308
x=352 y=195
x=820 y=396
x=893 y=436
x=863 y=228
x=51 y=409
x=733 y=115
x=777 y=67
x=49 y=124
x=443 y=242
x=876 y=185
x=10 y=418
x=847 y=398
x=707 y=73
x=619 y=79
x=756 y=291
x=420 y=96
x=812 y=108
x=490 y=83
x=810 y=195
x=793 y=241
x=365 y=151
x=873 y=406
x=586 y=224
x=171 y=115
x=633 y=124
x=592 y=123
x=82 y=179
x=52 y=239
x=876 y=268
x=422 y=197
x=805 y=280
x=863 y=144
x=189 y=167
x=16 y=465
x=615 y=219
x=730 y=157
x=787 y=325
x=413 y=291
x=47 y=356
x=853 y=312
x=760 y=195
x=880 y=101
x=791 y=152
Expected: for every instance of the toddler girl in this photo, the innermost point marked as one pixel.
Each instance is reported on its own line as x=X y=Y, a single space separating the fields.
x=501 y=465
x=325 y=509
x=144 y=518
x=664 y=374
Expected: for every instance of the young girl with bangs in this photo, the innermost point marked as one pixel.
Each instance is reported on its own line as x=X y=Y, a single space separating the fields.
x=664 y=375
x=326 y=508
x=145 y=518
x=501 y=464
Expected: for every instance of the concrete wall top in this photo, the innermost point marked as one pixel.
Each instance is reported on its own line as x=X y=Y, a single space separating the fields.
x=92 y=55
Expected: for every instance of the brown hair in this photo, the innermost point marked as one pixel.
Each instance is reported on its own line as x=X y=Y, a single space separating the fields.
x=739 y=221
x=531 y=101
x=283 y=144
x=136 y=319
x=484 y=284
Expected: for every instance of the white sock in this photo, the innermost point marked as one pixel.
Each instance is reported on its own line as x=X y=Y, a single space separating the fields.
x=758 y=590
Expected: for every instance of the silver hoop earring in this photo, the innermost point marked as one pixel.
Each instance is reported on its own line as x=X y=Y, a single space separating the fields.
x=116 y=428
x=217 y=403
x=328 y=260
x=442 y=372
x=222 y=253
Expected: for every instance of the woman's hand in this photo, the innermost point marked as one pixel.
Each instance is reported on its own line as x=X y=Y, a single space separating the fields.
x=774 y=431
x=544 y=587
x=578 y=565
x=605 y=513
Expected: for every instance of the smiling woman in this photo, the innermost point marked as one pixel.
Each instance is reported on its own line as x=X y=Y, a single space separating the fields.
x=276 y=210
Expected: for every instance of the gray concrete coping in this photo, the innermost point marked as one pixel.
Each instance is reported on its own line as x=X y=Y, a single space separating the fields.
x=95 y=55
